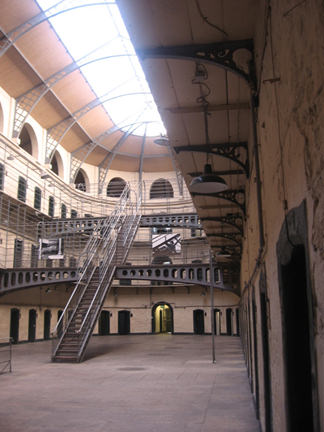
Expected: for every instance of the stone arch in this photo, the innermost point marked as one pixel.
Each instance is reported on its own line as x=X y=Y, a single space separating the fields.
x=28 y=140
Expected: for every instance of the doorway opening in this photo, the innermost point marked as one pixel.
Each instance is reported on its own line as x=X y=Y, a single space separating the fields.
x=199 y=321
x=297 y=342
x=14 y=325
x=32 y=325
x=229 y=331
x=124 y=322
x=104 y=323
x=217 y=321
x=47 y=324
x=162 y=318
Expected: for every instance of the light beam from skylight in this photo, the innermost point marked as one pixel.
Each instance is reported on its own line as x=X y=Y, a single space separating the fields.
x=82 y=30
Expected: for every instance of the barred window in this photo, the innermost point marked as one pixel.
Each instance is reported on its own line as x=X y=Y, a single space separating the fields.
x=22 y=187
x=115 y=187
x=37 y=198
x=161 y=188
x=63 y=211
x=51 y=206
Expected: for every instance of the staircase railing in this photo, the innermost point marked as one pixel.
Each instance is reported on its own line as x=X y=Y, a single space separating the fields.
x=123 y=238
x=103 y=236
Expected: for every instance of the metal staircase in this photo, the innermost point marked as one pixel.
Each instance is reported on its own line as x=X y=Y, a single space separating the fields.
x=107 y=248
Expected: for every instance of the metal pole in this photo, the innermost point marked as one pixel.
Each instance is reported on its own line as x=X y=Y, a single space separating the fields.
x=212 y=283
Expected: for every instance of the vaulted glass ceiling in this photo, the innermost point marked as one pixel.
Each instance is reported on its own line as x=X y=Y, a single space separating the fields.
x=95 y=36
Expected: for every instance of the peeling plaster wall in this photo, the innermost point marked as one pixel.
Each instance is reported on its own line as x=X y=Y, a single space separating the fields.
x=290 y=65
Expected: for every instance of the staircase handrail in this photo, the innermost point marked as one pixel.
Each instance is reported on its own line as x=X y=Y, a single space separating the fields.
x=106 y=262
x=104 y=229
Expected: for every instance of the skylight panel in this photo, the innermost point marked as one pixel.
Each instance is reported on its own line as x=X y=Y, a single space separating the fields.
x=116 y=76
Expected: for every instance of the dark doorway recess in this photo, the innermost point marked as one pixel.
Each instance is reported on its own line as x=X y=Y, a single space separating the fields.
x=104 y=323
x=60 y=326
x=32 y=325
x=255 y=354
x=229 y=331
x=237 y=316
x=47 y=324
x=297 y=324
x=162 y=318
x=123 y=322
x=14 y=325
x=265 y=351
x=217 y=321
x=199 y=321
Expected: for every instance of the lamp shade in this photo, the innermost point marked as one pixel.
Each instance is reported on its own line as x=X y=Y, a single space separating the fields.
x=208 y=182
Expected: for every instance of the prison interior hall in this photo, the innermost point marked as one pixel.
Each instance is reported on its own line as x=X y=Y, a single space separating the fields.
x=161 y=215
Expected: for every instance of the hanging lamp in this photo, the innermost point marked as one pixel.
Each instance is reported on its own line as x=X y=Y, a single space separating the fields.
x=208 y=182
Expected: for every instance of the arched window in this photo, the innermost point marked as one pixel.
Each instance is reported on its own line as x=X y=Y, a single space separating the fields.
x=81 y=181
x=115 y=187
x=28 y=140
x=37 y=198
x=51 y=206
x=161 y=188
x=22 y=186
x=63 y=211
x=57 y=164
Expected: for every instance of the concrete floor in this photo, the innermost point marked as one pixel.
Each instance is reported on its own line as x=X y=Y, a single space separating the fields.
x=135 y=383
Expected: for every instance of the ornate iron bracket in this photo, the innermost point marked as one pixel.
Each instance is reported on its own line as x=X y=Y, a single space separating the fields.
x=229 y=195
x=233 y=219
x=224 y=54
x=227 y=150
x=233 y=236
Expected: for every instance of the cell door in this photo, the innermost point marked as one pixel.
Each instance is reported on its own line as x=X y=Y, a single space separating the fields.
x=199 y=324
x=14 y=325
x=123 y=322
x=104 y=323
x=32 y=325
x=229 y=331
x=298 y=343
x=47 y=324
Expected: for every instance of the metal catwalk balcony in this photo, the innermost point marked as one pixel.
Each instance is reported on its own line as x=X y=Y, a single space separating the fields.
x=198 y=274
x=88 y=224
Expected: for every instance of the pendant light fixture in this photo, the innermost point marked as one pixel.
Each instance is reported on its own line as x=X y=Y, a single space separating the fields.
x=208 y=182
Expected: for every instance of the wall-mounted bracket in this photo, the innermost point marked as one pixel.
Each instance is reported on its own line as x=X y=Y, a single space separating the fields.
x=224 y=54
x=230 y=151
x=231 y=195
x=233 y=219
x=232 y=236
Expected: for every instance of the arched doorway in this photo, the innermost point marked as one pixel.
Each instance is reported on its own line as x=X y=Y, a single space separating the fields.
x=229 y=331
x=124 y=322
x=14 y=325
x=104 y=323
x=199 y=321
x=32 y=325
x=162 y=318
x=217 y=321
x=47 y=324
